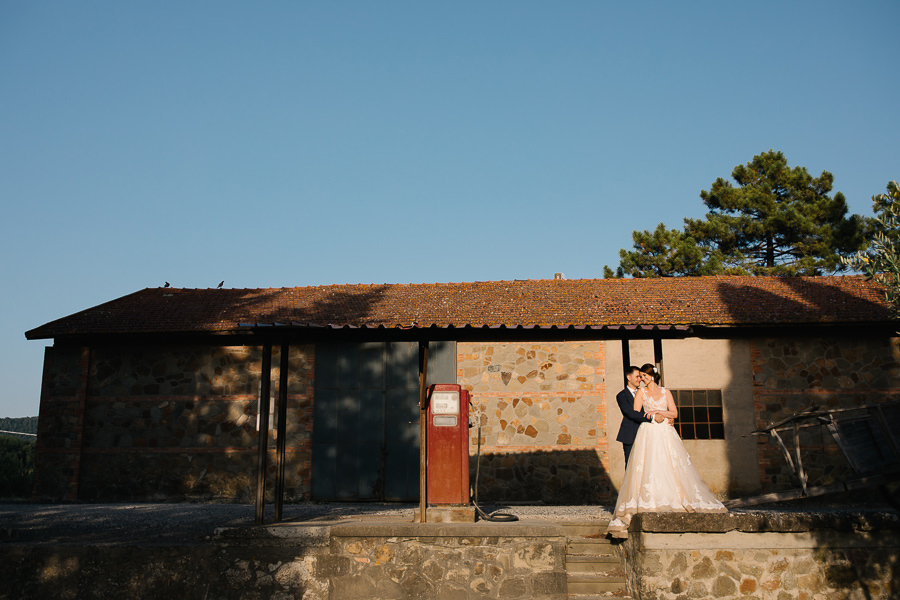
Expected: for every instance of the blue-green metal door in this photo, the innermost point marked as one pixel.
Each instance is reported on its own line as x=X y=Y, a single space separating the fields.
x=366 y=418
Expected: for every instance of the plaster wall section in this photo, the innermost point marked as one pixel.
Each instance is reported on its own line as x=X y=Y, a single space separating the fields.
x=727 y=466
x=640 y=352
x=542 y=414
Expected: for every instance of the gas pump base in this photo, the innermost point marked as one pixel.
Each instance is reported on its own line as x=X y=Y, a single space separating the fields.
x=448 y=514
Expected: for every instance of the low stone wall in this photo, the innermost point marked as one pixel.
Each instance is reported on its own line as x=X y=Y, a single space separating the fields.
x=764 y=555
x=342 y=562
x=448 y=561
x=753 y=556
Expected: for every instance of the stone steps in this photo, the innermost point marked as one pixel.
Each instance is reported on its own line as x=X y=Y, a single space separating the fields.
x=594 y=567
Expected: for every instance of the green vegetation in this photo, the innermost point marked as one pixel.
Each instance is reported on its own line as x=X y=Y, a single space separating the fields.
x=881 y=261
x=778 y=220
x=17 y=457
x=21 y=424
x=16 y=467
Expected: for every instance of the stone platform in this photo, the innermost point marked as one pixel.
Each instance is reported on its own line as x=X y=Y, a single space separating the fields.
x=328 y=551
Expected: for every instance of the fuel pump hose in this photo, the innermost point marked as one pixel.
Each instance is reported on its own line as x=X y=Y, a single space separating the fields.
x=495 y=516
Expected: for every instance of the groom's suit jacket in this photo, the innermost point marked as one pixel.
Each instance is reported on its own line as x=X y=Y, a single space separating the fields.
x=631 y=419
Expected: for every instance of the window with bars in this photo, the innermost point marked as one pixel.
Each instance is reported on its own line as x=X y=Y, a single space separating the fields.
x=699 y=414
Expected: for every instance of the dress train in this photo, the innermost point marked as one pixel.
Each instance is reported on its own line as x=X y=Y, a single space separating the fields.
x=660 y=477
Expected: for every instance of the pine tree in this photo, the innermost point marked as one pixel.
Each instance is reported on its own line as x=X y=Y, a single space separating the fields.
x=881 y=261
x=778 y=220
x=663 y=252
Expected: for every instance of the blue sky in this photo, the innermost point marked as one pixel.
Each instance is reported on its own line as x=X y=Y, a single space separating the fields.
x=305 y=143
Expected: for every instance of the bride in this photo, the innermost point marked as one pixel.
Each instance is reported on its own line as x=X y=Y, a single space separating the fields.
x=659 y=476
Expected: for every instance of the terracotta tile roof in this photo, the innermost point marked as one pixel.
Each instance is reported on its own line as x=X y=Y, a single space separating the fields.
x=679 y=301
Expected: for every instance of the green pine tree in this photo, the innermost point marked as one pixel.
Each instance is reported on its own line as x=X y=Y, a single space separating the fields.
x=778 y=220
x=881 y=261
x=663 y=252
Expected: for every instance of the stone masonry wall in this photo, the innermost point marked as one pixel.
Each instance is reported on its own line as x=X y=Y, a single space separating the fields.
x=60 y=423
x=170 y=423
x=404 y=565
x=790 y=375
x=764 y=556
x=753 y=556
x=777 y=573
x=346 y=562
x=542 y=412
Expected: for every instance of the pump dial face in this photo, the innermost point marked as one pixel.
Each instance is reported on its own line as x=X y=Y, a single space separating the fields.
x=445 y=403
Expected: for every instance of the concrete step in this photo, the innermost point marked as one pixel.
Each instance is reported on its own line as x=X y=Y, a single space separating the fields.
x=583 y=528
x=608 y=565
x=597 y=547
x=595 y=584
x=594 y=568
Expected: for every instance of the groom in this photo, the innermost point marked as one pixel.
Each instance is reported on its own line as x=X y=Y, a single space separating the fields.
x=631 y=419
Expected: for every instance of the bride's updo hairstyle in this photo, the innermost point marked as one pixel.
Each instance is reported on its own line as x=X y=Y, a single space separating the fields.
x=650 y=369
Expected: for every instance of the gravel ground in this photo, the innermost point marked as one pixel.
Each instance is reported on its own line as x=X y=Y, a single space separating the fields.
x=179 y=523
x=167 y=523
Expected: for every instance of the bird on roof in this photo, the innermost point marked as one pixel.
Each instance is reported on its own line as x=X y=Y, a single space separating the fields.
x=221 y=283
x=167 y=284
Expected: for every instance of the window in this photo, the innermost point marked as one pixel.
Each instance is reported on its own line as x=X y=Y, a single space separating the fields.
x=699 y=414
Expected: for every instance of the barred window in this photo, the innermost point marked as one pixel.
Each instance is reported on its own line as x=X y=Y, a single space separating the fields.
x=699 y=414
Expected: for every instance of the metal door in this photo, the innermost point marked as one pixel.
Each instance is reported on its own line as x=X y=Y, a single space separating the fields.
x=366 y=418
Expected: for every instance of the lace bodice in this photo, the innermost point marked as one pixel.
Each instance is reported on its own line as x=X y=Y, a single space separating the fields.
x=655 y=403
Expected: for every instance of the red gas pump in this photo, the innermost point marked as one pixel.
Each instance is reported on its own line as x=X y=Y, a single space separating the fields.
x=447 y=454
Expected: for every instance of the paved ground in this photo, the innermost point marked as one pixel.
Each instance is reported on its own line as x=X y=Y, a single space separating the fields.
x=167 y=523
x=178 y=523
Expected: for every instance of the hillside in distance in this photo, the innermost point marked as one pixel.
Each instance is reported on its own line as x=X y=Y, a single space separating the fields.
x=19 y=424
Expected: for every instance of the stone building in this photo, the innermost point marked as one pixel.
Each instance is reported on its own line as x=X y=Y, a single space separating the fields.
x=157 y=395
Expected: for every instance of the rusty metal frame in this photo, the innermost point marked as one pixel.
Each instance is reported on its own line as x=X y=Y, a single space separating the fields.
x=831 y=420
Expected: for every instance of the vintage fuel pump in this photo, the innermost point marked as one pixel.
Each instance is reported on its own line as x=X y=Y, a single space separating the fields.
x=447 y=454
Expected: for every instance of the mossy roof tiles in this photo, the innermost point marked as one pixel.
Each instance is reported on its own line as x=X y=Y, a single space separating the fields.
x=666 y=302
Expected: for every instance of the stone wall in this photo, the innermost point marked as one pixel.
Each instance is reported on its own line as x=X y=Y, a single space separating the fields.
x=542 y=412
x=60 y=423
x=759 y=555
x=352 y=561
x=751 y=555
x=790 y=375
x=148 y=422
x=449 y=561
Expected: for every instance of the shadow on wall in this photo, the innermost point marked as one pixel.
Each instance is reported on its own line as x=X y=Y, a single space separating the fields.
x=548 y=477
x=168 y=376
x=795 y=372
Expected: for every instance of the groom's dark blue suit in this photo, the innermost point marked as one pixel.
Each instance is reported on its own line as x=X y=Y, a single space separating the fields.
x=631 y=420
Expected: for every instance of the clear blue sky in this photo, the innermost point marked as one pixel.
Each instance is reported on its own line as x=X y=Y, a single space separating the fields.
x=299 y=143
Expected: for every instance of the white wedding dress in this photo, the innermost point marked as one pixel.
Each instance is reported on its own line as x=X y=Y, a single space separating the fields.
x=660 y=476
